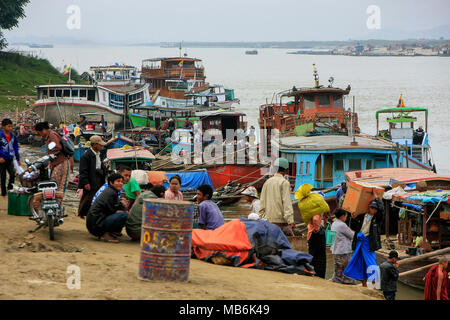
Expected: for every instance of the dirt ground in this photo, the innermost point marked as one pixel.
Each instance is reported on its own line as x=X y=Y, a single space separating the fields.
x=33 y=267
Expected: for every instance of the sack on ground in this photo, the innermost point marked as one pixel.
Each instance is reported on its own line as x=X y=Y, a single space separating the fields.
x=311 y=203
x=140 y=176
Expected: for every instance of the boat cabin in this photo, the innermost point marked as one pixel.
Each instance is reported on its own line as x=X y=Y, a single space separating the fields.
x=115 y=75
x=172 y=75
x=401 y=130
x=322 y=161
x=313 y=110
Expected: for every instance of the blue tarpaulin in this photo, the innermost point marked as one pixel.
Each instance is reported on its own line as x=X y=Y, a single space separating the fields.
x=190 y=180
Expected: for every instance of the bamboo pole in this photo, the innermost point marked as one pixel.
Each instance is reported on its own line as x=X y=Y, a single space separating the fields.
x=417 y=269
x=424 y=256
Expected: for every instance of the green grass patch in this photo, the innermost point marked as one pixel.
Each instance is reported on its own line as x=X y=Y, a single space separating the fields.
x=19 y=74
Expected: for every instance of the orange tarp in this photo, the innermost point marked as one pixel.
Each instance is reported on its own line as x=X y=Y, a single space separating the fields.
x=229 y=240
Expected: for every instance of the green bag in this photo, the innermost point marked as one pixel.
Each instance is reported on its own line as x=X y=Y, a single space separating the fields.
x=330 y=235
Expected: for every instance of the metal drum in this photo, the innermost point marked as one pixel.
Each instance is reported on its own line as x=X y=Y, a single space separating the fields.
x=166 y=240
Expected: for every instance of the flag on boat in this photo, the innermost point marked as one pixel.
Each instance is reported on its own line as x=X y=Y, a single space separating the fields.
x=67 y=69
x=180 y=65
x=401 y=103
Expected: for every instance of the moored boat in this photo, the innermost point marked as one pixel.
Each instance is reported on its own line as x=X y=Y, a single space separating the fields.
x=111 y=92
x=179 y=82
x=401 y=131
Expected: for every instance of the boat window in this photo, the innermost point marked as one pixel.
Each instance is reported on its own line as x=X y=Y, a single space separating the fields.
x=52 y=92
x=58 y=92
x=301 y=168
x=324 y=100
x=354 y=164
x=310 y=102
x=308 y=167
x=338 y=102
x=91 y=95
x=369 y=164
x=75 y=93
x=339 y=165
x=66 y=93
x=83 y=93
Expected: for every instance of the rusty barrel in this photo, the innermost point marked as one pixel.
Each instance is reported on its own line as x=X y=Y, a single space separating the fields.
x=166 y=240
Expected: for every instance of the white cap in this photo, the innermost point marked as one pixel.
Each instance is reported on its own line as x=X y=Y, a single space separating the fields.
x=253 y=216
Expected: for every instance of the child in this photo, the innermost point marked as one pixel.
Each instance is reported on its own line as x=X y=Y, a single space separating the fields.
x=9 y=148
x=389 y=276
x=210 y=217
x=173 y=193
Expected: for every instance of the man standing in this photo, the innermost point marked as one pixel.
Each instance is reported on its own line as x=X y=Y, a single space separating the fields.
x=436 y=281
x=187 y=124
x=366 y=241
x=9 y=148
x=276 y=204
x=157 y=118
x=389 y=276
x=60 y=166
x=83 y=122
x=92 y=174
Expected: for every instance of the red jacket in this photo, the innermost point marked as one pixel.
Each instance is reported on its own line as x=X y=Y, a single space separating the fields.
x=431 y=282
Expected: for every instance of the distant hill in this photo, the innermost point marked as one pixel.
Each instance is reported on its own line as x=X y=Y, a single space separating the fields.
x=19 y=74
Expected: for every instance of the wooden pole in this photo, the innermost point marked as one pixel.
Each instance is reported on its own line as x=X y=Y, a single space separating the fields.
x=407 y=155
x=424 y=227
x=386 y=222
x=417 y=270
x=424 y=256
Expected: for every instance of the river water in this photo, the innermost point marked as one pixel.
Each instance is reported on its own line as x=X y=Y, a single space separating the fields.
x=376 y=82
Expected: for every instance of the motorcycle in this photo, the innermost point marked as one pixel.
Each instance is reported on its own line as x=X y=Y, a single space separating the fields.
x=36 y=181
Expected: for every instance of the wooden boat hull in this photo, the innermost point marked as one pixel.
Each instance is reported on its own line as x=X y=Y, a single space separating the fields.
x=69 y=112
x=221 y=174
x=414 y=280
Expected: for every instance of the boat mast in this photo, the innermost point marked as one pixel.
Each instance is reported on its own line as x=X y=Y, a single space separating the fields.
x=316 y=76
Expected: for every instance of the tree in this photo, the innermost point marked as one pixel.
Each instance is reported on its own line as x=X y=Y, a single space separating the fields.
x=10 y=13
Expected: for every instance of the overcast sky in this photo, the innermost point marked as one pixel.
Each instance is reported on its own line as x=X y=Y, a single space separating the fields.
x=228 y=20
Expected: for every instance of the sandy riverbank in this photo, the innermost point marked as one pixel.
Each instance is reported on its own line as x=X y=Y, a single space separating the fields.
x=33 y=267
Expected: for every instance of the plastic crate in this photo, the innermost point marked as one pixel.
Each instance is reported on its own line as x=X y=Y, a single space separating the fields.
x=18 y=204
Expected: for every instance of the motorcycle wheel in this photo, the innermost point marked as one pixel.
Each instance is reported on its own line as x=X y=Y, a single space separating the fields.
x=51 y=225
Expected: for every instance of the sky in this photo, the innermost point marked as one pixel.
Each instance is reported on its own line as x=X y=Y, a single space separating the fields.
x=145 y=21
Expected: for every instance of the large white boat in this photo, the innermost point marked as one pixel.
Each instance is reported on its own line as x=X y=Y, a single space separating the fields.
x=111 y=91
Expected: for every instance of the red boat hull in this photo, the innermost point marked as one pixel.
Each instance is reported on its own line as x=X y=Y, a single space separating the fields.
x=220 y=175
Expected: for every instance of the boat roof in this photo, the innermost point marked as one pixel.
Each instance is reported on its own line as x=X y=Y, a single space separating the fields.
x=381 y=177
x=397 y=110
x=306 y=90
x=219 y=112
x=172 y=59
x=332 y=142
x=111 y=68
x=132 y=153
x=65 y=85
